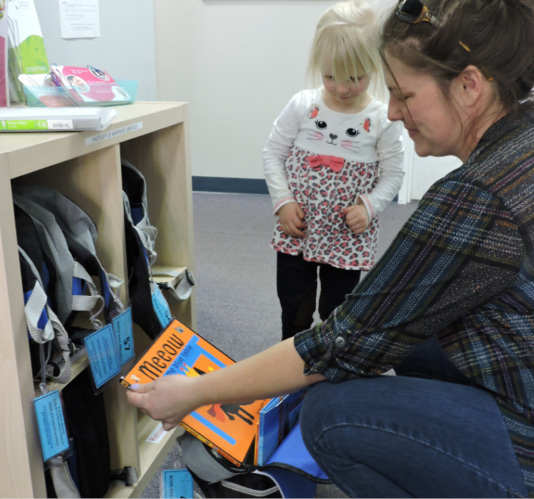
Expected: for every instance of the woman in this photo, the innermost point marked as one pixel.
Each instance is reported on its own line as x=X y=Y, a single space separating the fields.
x=449 y=306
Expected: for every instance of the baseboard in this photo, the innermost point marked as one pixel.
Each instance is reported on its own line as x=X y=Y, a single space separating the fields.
x=233 y=185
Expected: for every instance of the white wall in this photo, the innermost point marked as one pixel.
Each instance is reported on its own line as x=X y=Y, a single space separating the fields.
x=237 y=62
x=126 y=47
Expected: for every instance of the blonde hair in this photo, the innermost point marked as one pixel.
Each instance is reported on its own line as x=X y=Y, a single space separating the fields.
x=347 y=43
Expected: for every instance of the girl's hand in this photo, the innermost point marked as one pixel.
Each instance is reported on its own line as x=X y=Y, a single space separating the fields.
x=168 y=399
x=292 y=220
x=356 y=217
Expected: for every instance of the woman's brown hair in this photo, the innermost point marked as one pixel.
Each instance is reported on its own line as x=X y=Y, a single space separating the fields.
x=497 y=36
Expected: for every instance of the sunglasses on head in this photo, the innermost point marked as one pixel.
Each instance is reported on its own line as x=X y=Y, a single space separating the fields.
x=415 y=11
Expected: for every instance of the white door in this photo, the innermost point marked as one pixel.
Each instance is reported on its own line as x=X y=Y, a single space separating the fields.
x=421 y=173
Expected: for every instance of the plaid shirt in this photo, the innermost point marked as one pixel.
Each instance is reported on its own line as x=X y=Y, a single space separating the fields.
x=462 y=269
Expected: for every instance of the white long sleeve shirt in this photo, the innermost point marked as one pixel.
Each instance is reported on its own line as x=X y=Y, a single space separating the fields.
x=380 y=142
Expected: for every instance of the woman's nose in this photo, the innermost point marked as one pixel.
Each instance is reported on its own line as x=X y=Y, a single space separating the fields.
x=394 y=109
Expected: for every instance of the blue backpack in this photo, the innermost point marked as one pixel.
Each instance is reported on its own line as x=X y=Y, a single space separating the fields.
x=289 y=472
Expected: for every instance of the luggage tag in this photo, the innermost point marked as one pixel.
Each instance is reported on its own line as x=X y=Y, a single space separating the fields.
x=161 y=307
x=51 y=425
x=177 y=483
x=122 y=326
x=104 y=356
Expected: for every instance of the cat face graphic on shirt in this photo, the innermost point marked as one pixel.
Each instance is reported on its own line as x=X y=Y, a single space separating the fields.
x=345 y=137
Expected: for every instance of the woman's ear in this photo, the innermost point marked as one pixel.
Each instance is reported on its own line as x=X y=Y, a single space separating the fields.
x=471 y=85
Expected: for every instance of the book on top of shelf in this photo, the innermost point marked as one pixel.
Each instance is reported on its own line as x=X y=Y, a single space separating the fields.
x=228 y=428
x=89 y=85
x=60 y=119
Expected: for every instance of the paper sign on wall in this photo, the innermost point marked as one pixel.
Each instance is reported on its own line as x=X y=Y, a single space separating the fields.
x=79 y=18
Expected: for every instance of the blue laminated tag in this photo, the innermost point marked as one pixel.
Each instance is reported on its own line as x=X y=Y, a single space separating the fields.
x=51 y=424
x=177 y=483
x=103 y=354
x=161 y=307
x=122 y=325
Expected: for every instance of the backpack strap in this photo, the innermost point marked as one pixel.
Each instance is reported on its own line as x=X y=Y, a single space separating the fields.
x=91 y=302
x=145 y=294
x=44 y=327
x=53 y=244
x=64 y=485
x=136 y=208
x=177 y=284
x=35 y=308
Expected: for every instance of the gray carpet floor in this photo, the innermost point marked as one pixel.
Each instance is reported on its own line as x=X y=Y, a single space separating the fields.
x=235 y=270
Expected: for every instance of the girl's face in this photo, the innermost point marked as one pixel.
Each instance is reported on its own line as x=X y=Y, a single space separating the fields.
x=345 y=95
x=417 y=101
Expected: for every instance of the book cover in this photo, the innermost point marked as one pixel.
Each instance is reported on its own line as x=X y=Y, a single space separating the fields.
x=277 y=418
x=228 y=428
x=90 y=85
x=26 y=53
x=60 y=119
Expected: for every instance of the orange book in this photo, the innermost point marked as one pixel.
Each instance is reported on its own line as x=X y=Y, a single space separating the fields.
x=228 y=428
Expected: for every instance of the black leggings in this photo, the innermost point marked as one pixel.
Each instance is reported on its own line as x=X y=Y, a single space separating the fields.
x=296 y=282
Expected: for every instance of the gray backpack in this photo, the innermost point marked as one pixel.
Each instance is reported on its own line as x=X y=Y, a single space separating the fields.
x=58 y=259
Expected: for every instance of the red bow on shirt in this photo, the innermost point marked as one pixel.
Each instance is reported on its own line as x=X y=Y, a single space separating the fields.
x=335 y=163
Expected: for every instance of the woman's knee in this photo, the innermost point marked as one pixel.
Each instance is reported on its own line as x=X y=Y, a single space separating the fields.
x=313 y=411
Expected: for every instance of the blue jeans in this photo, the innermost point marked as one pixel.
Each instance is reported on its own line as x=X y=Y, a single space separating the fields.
x=408 y=436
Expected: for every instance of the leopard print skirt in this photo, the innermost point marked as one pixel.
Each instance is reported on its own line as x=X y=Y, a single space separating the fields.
x=323 y=194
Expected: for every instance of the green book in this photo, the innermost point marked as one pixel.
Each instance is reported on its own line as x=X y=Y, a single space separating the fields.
x=26 y=53
x=55 y=119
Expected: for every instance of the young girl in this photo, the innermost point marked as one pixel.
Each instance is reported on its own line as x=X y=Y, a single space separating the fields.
x=332 y=163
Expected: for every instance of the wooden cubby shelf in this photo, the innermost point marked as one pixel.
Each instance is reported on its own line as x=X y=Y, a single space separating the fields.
x=86 y=167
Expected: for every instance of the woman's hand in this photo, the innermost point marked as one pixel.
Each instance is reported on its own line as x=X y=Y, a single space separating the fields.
x=356 y=217
x=292 y=219
x=168 y=399
x=275 y=371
